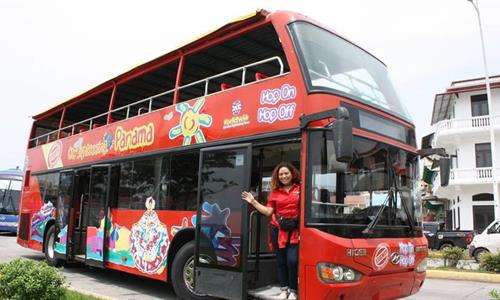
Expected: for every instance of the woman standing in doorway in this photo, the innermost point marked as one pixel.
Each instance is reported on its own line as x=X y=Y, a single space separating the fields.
x=283 y=208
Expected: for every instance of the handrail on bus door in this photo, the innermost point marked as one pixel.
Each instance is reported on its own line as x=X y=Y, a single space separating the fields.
x=80 y=214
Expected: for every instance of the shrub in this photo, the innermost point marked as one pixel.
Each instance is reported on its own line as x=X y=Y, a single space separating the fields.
x=27 y=279
x=435 y=254
x=494 y=295
x=452 y=255
x=490 y=262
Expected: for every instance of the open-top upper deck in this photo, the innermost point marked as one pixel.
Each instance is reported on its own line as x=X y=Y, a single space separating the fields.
x=242 y=79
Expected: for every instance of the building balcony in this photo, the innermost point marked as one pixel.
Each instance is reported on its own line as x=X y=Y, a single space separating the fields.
x=452 y=131
x=471 y=176
x=460 y=178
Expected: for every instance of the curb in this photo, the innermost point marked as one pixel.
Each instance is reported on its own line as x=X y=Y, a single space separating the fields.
x=87 y=293
x=470 y=276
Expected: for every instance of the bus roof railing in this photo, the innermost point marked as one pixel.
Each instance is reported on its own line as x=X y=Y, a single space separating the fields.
x=90 y=123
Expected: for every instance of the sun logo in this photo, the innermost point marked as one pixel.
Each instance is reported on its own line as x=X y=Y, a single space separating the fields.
x=190 y=122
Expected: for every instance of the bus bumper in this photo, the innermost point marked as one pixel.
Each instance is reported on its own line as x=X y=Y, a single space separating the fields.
x=389 y=286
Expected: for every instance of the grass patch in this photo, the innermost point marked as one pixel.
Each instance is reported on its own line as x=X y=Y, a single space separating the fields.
x=440 y=254
x=72 y=295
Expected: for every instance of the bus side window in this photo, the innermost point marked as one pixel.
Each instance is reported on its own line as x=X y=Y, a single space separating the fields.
x=183 y=183
x=115 y=186
x=125 y=183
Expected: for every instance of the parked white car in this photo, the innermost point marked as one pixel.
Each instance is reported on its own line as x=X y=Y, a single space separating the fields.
x=487 y=241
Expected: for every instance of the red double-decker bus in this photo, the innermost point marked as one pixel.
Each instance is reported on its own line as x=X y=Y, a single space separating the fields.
x=144 y=172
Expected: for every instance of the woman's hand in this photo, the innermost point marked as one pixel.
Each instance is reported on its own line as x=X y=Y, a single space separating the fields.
x=248 y=197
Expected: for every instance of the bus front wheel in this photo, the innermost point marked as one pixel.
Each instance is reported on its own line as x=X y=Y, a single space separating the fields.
x=50 y=240
x=183 y=273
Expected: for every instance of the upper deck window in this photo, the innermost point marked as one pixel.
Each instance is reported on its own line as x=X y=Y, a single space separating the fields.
x=332 y=64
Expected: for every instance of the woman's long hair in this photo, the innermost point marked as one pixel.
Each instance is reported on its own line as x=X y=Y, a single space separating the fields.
x=275 y=180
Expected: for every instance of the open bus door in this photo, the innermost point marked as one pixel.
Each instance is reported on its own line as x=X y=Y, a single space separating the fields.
x=97 y=219
x=222 y=222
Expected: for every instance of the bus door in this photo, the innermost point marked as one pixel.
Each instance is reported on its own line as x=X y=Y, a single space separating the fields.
x=63 y=213
x=79 y=213
x=97 y=216
x=222 y=222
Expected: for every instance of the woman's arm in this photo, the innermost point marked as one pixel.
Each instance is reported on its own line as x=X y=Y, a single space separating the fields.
x=248 y=197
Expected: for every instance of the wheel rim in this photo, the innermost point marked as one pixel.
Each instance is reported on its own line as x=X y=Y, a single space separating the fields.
x=50 y=246
x=479 y=254
x=188 y=274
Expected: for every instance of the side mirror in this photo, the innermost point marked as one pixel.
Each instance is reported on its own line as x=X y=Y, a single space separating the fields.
x=444 y=170
x=342 y=139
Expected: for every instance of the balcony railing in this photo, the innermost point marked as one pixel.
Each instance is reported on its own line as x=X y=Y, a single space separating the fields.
x=468 y=123
x=475 y=175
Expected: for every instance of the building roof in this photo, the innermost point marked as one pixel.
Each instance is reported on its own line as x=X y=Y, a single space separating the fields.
x=443 y=103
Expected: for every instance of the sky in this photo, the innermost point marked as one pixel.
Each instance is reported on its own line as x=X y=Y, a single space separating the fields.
x=51 y=51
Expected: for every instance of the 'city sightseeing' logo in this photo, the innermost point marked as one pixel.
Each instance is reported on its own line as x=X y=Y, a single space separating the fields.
x=191 y=122
x=80 y=151
x=54 y=156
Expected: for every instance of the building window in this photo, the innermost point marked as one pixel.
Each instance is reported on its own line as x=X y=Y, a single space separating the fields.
x=482 y=197
x=479 y=105
x=453 y=218
x=483 y=215
x=483 y=155
x=458 y=217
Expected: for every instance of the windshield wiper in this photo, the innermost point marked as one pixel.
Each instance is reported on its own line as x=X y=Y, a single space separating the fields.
x=392 y=196
x=371 y=225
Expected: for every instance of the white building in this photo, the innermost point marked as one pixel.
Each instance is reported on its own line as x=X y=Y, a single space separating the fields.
x=462 y=126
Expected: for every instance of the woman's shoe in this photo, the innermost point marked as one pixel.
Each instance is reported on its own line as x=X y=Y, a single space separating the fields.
x=292 y=296
x=283 y=295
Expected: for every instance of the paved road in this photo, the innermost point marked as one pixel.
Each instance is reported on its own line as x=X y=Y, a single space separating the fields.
x=109 y=283
x=118 y=285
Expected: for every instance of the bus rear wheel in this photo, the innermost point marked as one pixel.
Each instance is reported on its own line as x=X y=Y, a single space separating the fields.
x=183 y=273
x=49 y=243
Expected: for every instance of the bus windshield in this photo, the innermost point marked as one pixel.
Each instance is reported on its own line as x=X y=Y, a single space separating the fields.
x=380 y=182
x=332 y=64
x=10 y=191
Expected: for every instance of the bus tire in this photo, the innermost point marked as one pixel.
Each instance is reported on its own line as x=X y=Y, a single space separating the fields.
x=50 y=239
x=183 y=273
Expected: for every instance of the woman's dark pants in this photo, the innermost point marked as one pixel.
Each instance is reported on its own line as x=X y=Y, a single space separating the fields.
x=287 y=261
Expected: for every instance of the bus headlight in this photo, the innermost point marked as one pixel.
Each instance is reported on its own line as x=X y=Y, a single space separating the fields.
x=422 y=266
x=331 y=273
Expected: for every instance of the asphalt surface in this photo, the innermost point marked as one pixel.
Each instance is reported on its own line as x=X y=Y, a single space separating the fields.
x=111 y=284
x=94 y=281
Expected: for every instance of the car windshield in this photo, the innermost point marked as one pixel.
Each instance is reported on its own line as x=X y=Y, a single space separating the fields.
x=332 y=64
x=10 y=191
x=377 y=184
